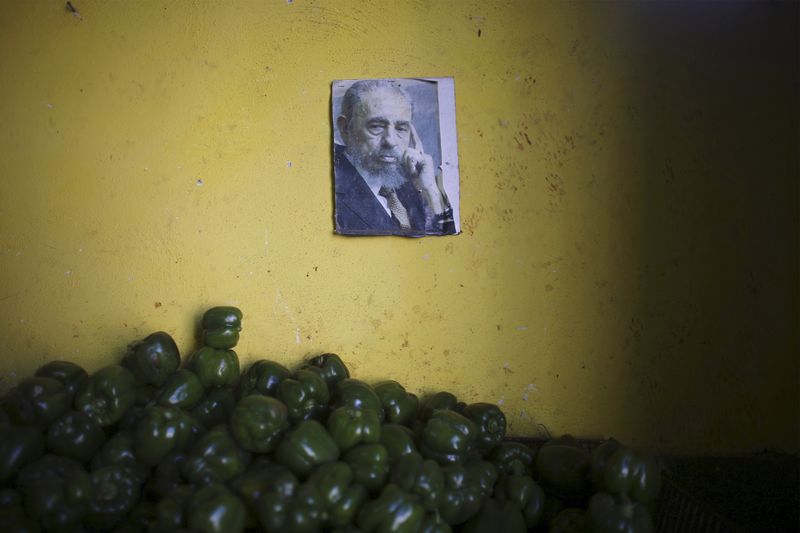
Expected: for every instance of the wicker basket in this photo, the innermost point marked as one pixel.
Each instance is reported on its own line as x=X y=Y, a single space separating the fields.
x=677 y=511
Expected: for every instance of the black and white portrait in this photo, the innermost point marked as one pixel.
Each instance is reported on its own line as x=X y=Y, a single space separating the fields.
x=395 y=157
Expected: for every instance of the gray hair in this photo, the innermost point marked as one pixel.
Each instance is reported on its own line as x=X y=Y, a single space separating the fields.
x=354 y=93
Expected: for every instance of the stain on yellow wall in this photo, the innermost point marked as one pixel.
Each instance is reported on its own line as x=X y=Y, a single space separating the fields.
x=629 y=258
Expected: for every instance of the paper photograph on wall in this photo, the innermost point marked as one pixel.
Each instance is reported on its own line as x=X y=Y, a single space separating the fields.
x=395 y=157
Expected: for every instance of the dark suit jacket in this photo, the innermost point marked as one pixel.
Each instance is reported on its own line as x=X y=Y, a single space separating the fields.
x=358 y=212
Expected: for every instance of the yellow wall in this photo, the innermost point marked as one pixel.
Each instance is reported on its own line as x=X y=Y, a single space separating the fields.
x=629 y=259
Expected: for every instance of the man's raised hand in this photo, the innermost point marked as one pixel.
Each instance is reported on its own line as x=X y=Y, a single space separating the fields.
x=420 y=169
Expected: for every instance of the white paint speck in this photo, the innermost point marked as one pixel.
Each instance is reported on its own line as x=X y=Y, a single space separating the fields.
x=288 y=164
x=48 y=105
x=199 y=182
x=506 y=365
x=279 y=302
x=68 y=273
x=525 y=397
x=532 y=387
x=501 y=401
x=130 y=278
x=297 y=336
x=426 y=257
x=522 y=328
x=80 y=249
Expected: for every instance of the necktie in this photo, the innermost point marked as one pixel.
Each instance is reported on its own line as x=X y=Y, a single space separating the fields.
x=398 y=211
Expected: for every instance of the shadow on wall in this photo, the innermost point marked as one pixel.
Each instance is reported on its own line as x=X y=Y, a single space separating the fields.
x=718 y=181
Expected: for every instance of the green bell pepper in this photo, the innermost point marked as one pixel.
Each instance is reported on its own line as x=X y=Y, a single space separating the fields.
x=305 y=395
x=569 y=520
x=216 y=407
x=525 y=493
x=182 y=388
x=447 y=437
x=303 y=511
x=260 y=478
x=258 y=422
x=75 y=435
x=496 y=515
x=262 y=377
x=117 y=450
x=617 y=469
x=398 y=440
x=163 y=430
x=130 y=419
x=340 y=495
x=116 y=490
x=512 y=458
x=215 y=458
x=56 y=491
x=399 y=405
x=215 y=509
x=490 y=421
x=19 y=446
x=465 y=488
x=607 y=514
x=171 y=510
x=14 y=519
x=10 y=498
x=564 y=471
x=305 y=446
x=71 y=375
x=107 y=395
x=141 y=517
x=358 y=395
x=36 y=402
x=152 y=359
x=422 y=477
x=146 y=395
x=370 y=464
x=348 y=528
x=349 y=426
x=345 y=510
x=442 y=400
x=166 y=476
x=214 y=367
x=221 y=327
x=330 y=368
x=434 y=523
x=393 y=511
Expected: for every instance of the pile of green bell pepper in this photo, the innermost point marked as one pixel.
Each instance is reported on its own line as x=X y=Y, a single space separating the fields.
x=153 y=443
